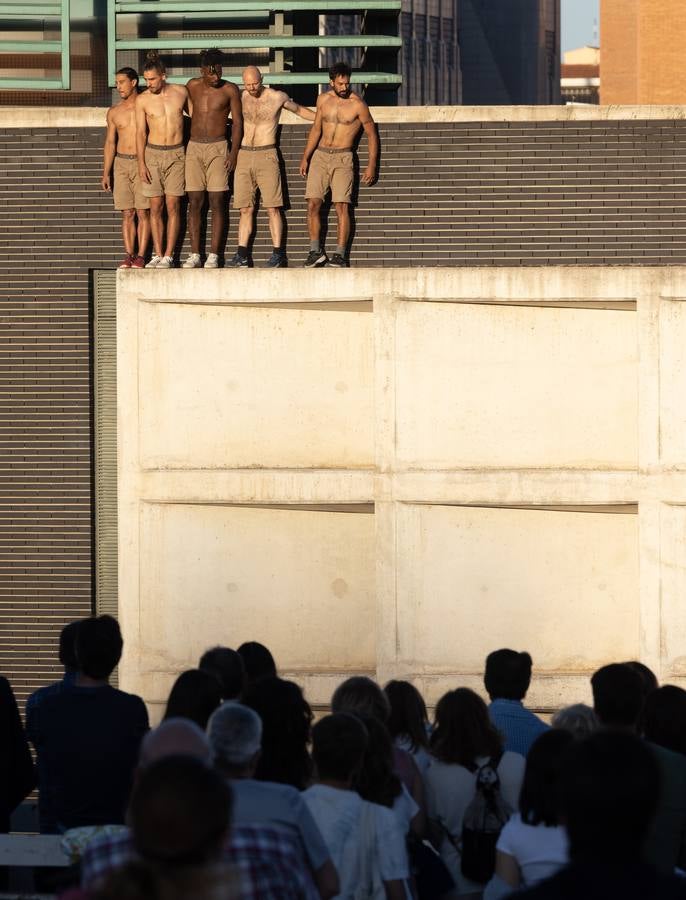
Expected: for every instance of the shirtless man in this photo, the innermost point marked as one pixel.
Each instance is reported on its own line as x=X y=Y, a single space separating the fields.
x=120 y=152
x=159 y=144
x=340 y=115
x=258 y=165
x=208 y=160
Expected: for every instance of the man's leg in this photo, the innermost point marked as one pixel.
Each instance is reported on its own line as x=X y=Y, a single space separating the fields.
x=314 y=221
x=217 y=201
x=245 y=226
x=196 y=200
x=343 y=231
x=275 y=226
x=173 y=223
x=143 y=231
x=128 y=230
x=157 y=224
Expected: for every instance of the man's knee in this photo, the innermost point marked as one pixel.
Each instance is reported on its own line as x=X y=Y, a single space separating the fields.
x=274 y=212
x=216 y=200
x=128 y=215
x=195 y=200
x=143 y=215
x=342 y=209
x=173 y=203
x=314 y=204
x=247 y=212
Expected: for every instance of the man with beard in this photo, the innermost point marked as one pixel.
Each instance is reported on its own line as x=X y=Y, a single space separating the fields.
x=258 y=165
x=208 y=160
x=329 y=157
x=159 y=145
x=120 y=153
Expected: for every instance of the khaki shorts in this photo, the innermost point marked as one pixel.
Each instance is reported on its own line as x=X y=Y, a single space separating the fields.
x=166 y=169
x=257 y=169
x=330 y=170
x=127 y=190
x=206 y=166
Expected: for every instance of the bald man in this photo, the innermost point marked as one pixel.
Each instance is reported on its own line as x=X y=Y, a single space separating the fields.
x=258 y=167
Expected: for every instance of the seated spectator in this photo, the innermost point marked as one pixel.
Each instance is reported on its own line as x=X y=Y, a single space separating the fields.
x=533 y=844
x=609 y=788
x=507 y=678
x=257 y=662
x=463 y=739
x=408 y=722
x=365 y=842
x=271 y=867
x=195 y=695
x=664 y=718
x=227 y=667
x=235 y=733
x=286 y=719
x=618 y=695
x=180 y=817
x=578 y=719
x=88 y=735
x=17 y=777
x=650 y=684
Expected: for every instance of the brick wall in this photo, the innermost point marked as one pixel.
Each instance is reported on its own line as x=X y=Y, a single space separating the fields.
x=462 y=193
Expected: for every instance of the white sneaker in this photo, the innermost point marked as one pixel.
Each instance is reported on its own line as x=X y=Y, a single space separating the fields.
x=212 y=261
x=193 y=261
x=154 y=262
x=167 y=262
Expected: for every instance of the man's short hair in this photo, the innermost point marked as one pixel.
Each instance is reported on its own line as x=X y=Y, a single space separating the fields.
x=339 y=68
x=338 y=745
x=617 y=695
x=130 y=73
x=67 y=651
x=153 y=63
x=211 y=57
x=507 y=675
x=610 y=785
x=235 y=733
x=227 y=667
x=99 y=646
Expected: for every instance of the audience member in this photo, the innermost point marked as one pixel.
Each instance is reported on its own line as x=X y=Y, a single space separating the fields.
x=533 y=844
x=664 y=718
x=17 y=774
x=578 y=719
x=618 y=702
x=257 y=662
x=195 y=695
x=364 y=839
x=227 y=667
x=271 y=867
x=408 y=722
x=507 y=678
x=179 y=816
x=286 y=719
x=88 y=735
x=609 y=787
x=235 y=733
x=648 y=677
x=464 y=738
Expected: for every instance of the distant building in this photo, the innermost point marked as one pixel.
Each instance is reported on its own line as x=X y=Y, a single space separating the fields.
x=580 y=81
x=643 y=51
x=509 y=51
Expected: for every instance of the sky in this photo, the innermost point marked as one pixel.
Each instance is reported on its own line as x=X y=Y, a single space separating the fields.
x=578 y=23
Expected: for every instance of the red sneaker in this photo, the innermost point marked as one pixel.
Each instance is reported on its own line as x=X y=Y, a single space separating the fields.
x=137 y=262
x=126 y=262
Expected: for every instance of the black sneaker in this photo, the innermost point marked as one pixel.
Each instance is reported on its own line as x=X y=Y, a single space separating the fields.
x=277 y=260
x=338 y=262
x=237 y=262
x=316 y=259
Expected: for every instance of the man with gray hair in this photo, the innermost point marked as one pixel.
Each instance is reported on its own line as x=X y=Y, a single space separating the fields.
x=235 y=733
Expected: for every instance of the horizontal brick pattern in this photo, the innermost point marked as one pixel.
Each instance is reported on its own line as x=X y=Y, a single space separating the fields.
x=448 y=194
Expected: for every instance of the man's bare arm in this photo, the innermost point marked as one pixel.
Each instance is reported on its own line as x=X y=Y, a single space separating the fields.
x=303 y=111
x=313 y=138
x=141 y=140
x=109 y=150
x=369 y=125
x=236 y=128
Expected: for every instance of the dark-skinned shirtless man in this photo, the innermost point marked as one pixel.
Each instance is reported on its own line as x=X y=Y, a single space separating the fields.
x=209 y=162
x=258 y=164
x=120 y=154
x=328 y=162
x=159 y=145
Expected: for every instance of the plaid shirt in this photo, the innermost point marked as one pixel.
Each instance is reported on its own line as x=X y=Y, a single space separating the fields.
x=270 y=863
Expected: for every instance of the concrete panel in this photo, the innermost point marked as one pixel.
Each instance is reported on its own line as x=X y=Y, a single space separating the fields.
x=472 y=579
x=483 y=386
x=300 y=581
x=673 y=384
x=233 y=387
x=672 y=526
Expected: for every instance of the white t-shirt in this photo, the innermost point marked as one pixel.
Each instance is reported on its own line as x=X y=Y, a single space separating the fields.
x=405 y=809
x=540 y=851
x=338 y=814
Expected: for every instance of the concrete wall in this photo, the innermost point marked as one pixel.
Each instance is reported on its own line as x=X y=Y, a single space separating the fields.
x=396 y=471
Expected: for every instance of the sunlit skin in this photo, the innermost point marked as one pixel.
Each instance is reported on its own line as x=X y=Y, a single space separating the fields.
x=159 y=120
x=340 y=115
x=262 y=107
x=121 y=137
x=211 y=101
